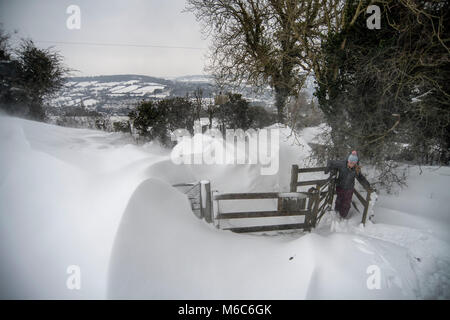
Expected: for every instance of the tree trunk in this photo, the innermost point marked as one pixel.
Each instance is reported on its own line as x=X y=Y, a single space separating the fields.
x=210 y=119
x=36 y=111
x=281 y=95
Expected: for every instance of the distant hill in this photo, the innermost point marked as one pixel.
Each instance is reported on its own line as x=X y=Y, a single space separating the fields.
x=120 y=78
x=117 y=94
x=195 y=79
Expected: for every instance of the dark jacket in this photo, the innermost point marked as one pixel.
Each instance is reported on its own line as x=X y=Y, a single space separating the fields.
x=346 y=176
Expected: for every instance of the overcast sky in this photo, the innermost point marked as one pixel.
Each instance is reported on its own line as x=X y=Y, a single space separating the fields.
x=135 y=22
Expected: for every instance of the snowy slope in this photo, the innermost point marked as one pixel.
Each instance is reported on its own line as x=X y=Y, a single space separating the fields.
x=62 y=194
x=93 y=199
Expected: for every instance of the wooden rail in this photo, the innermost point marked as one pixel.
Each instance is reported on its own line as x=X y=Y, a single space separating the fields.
x=311 y=204
x=289 y=204
x=295 y=173
x=280 y=227
x=360 y=197
x=322 y=192
x=257 y=195
x=261 y=214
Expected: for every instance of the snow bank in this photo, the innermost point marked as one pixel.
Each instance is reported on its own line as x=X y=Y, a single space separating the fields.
x=62 y=194
x=242 y=175
x=163 y=252
x=95 y=200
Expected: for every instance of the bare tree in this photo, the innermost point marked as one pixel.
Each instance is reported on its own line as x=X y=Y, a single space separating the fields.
x=198 y=102
x=263 y=42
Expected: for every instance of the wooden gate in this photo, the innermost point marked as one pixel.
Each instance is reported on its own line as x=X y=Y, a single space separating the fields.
x=288 y=204
x=326 y=189
x=322 y=190
x=311 y=204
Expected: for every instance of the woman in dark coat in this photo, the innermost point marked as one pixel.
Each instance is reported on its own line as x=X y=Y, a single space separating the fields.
x=348 y=170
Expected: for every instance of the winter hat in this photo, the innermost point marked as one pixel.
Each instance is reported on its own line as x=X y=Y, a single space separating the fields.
x=353 y=157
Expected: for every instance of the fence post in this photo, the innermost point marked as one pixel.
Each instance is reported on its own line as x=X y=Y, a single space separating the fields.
x=215 y=209
x=294 y=178
x=316 y=206
x=366 y=208
x=331 y=188
x=205 y=198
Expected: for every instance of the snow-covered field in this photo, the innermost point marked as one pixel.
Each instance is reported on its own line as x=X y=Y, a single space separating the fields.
x=98 y=93
x=95 y=200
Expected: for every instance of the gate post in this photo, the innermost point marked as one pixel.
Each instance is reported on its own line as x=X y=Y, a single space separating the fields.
x=294 y=178
x=205 y=200
x=331 y=190
x=366 y=208
x=316 y=207
x=215 y=209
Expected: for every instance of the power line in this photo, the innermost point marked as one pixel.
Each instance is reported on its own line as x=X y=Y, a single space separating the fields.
x=119 y=45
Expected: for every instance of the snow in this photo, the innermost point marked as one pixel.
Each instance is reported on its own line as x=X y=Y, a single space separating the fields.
x=96 y=200
x=125 y=89
x=62 y=194
x=192 y=259
x=315 y=134
x=90 y=102
x=148 y=89
x=108 y=84
x=197 y=79
x=136 y=88
x=86 y=83
x=117 y=88
x=131 y=82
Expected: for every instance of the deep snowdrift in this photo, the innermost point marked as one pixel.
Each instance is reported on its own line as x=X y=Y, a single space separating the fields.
x=162 y=252
x=93 y=199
